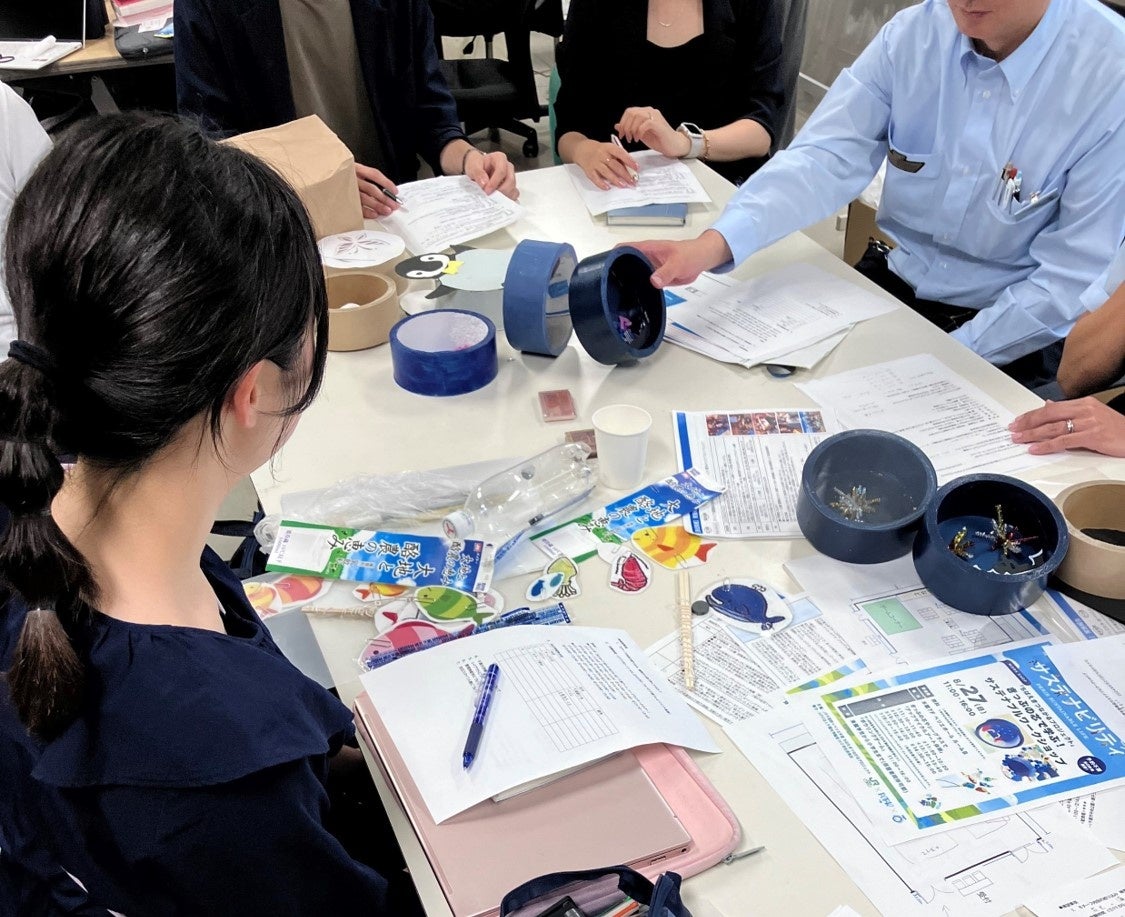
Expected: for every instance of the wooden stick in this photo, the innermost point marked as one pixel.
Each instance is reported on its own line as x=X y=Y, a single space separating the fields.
x=687 y=648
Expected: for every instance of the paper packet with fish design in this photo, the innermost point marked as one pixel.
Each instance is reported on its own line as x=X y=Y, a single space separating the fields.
x=650 y=507
x=366 y=556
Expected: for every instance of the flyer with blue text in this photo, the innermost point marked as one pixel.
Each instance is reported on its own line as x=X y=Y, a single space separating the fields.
x=973 y=737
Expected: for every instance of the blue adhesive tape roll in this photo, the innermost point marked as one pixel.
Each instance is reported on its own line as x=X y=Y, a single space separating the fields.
x=444 y=352
x=618 y=314
x=537 y=297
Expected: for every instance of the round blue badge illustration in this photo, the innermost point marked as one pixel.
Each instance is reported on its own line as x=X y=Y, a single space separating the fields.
x=999 y=733
x=1091 y=765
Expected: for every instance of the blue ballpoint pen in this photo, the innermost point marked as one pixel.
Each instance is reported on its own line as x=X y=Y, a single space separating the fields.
x=472 y=743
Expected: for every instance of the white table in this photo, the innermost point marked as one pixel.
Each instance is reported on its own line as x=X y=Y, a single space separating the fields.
x=363 y=422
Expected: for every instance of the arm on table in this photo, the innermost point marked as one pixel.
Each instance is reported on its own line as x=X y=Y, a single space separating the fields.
x=1094 y=353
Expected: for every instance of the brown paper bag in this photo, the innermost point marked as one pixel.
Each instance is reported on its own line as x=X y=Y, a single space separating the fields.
x=318 y=166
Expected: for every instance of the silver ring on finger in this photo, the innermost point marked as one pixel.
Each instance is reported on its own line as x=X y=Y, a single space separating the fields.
x=1069 y=425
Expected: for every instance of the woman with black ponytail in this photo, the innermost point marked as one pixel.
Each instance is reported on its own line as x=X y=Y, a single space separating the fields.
x=158 y=754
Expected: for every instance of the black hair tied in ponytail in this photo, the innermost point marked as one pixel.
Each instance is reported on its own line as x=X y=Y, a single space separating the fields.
x=36 y=559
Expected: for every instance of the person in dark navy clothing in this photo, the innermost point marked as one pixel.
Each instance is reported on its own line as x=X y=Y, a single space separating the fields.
x=368 y=68
x=158 y=753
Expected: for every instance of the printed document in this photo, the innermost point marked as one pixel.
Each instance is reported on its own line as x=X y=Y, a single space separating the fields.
x=985 y=870
x=759 y=320
x=900 y=620
x=959 y=427
x=740 y=674
x=565 y=696
x=449 y=210
x=662 y=181
x=757 y=455
x=980 y=735
x=1099 y=896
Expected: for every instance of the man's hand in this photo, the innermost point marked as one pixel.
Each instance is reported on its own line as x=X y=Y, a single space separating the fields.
x=681 y=262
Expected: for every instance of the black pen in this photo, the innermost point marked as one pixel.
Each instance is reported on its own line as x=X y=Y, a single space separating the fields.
x=387 y=193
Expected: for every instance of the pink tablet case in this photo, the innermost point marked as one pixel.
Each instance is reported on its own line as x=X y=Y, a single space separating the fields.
x=599 y=816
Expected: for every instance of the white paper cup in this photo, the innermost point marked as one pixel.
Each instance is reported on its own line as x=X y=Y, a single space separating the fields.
x=621 y=433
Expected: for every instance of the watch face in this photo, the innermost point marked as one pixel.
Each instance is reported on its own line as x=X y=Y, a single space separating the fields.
x=693 y=130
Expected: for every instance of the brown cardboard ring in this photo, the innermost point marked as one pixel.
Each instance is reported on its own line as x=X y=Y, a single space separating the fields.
x=1090 y=565
x=368 y=325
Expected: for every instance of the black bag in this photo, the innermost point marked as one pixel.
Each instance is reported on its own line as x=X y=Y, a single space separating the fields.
x=595 y=890
x=133 y=44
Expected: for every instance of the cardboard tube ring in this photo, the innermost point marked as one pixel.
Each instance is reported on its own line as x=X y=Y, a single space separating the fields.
x=618 y=314
x=1091 y=565
x=368 y=322
x=444 y=352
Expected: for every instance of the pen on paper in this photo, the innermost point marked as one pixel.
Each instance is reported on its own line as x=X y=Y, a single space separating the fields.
x=484 y=704
x=633 y=173
x=387 y=193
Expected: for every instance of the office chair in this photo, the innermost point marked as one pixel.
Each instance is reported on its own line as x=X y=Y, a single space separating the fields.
x=491 y=92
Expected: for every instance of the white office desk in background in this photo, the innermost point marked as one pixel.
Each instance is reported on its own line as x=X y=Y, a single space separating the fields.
x=364 y=423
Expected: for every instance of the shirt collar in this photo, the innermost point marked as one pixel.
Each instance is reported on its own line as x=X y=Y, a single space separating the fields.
x=1019 y=66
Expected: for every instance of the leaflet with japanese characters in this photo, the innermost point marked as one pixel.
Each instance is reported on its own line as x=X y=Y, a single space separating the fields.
x=926 y=750
x=655 y=505
x=757 y=455
x=365 y=556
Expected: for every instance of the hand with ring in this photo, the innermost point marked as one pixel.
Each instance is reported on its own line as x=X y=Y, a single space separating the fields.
x=1084 y=423
x=648 y=126
x=605 y=164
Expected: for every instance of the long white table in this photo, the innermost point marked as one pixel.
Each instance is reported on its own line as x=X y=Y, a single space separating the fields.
x=364 y=423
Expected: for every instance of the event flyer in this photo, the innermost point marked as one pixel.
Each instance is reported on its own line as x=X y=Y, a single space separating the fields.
x=974 y=737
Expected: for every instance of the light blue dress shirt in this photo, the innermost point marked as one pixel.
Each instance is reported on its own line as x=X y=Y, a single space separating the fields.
x=1106 y=285
x=1054 y=108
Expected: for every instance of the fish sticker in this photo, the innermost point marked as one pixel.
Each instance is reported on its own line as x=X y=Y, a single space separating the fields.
x=673 y=546
x=395 y=611
x=376 y=592
x=404 y=636
x=441 y=603
x=544 y=587
x=629 y=573
x=288 y=591
x=751 y=606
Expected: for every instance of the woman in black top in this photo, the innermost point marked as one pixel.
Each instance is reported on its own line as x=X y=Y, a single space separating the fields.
x=641 y=68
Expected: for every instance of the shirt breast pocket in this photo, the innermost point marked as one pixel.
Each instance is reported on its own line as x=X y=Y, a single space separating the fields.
x=1005 y=232
x=912 y=187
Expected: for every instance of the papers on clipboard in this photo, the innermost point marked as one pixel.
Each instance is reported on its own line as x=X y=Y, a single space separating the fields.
x=565 y=696
x=445 y=211
x=662 y=181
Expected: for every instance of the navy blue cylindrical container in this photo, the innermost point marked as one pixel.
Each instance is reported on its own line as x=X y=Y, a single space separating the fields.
x=954 y=579
x=618 y=314
x=872 y=459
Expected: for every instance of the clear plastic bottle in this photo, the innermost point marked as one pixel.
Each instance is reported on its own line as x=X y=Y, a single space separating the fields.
x=507 y=504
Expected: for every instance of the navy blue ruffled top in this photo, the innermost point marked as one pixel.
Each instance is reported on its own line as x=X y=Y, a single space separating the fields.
x=193 y=782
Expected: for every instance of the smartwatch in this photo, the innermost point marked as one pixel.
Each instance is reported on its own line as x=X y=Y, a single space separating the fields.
x=695 y=134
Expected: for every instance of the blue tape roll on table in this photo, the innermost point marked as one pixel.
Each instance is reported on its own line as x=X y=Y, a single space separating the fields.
x=618 y=314
x=537 y=297
x=444 y=352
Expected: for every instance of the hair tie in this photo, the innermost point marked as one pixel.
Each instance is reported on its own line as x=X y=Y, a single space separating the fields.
x=34 y=356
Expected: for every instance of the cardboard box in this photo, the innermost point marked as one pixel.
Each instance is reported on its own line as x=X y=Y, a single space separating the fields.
x=315 y=162
x=861 y=227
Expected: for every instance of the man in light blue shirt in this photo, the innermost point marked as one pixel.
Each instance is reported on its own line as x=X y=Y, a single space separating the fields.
x=1003 y=122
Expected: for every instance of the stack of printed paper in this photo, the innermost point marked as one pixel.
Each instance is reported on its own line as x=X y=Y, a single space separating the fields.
x=660 y=181
x=794 y=315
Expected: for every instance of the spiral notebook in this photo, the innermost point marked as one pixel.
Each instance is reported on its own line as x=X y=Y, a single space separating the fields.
x=649 y=807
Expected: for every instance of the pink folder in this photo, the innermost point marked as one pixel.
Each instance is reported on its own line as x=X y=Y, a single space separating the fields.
x=650 y=808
